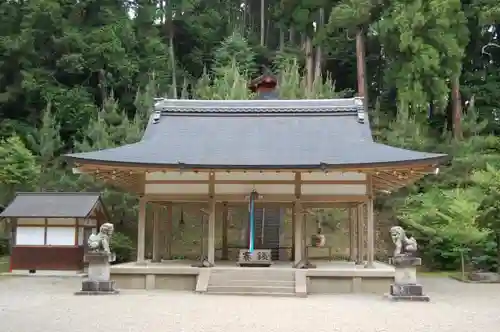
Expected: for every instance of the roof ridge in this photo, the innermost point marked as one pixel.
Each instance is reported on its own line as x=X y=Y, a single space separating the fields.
x=76 y=193
x=353 y=104
x=350 y=106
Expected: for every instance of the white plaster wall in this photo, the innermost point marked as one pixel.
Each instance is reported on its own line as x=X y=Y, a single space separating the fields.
x=30 y=221
x=153 y=188
x=331 y=176
x=176 y=176
x=260 y=188
x=61 y=221
x=255 y=176
x=87 y=222
x=60 y=236
x=333 y=189
x=30 y=236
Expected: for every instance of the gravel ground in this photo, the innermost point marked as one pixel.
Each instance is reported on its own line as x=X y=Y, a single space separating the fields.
x=31 y=304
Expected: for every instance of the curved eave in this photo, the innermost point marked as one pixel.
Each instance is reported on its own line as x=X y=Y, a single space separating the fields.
x=403 y=164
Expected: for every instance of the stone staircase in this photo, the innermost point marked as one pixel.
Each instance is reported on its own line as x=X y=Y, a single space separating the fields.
x=251 y=281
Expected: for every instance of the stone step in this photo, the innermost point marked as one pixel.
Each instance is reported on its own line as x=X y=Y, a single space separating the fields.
x=251 y=282
x=252 y=294
x=255 y=272
x=252 y=277
x=251 y=289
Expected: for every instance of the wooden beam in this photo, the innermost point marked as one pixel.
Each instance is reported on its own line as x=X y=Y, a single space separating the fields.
x=77 y=227
x=361 y=232
x=211 y=232
x=141 y=231
x=157 y=234
x=256 y=182
x=45 y=231
x=169 y=230
x=370 y=227
x=271 y=198
x=225 y=225
x=352 y=233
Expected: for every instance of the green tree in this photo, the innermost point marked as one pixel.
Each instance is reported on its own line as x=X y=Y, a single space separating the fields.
x=489 y=211
x=18 y=167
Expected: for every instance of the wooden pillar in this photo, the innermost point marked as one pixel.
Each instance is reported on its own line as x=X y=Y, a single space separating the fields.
x=141 y=231
x=157 y=238
x=294 y=219
x=370 y=230
x=304 y=236
x=352 y=234
x=225 y=224
x=211 y=231
x=361 y=238
x=168 y=236
x=298 y=239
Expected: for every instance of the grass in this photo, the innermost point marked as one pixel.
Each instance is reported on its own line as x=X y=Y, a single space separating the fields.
x=4 y=264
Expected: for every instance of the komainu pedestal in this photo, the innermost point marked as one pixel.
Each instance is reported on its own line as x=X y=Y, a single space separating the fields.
x=98 y=282
x=99 y=259
x=405 y=286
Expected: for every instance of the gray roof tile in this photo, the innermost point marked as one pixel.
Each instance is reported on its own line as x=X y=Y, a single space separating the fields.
x=257 y=133
x=51 y=204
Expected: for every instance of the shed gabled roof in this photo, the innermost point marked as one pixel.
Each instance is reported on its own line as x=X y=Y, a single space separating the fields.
x=257 y=134
x=52 y=204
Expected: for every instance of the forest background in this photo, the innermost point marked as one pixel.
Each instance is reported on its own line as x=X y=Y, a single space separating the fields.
x=80 y=75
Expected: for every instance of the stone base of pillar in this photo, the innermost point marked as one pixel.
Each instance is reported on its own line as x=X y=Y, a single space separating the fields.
x=203 y=263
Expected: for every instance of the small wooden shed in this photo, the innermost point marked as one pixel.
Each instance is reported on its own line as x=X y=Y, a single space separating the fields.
x=49 y=229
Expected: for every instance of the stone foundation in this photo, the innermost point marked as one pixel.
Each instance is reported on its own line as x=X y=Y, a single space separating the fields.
x=405 y=286
x=98 y=282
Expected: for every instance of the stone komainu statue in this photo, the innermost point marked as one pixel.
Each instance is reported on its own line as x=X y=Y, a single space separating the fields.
x=404 y=246
x=100 y=242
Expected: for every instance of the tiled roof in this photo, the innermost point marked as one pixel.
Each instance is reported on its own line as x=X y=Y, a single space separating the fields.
x=51 y=204
x=257 y=134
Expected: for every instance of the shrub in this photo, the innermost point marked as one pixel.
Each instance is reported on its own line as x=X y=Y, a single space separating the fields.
x=123 y=247
x=4 y=246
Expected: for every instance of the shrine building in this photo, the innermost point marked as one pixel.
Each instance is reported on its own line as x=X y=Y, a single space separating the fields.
x=262 y=153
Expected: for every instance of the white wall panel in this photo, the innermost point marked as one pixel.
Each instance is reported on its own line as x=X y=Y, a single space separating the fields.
x=332 y=176
x=333 y=189
x=153 y=188
x=31 y=221
x=30 y=236
x=260 y=188
x=60 y=236
x=175 y=176
x=255 y=176
x=61 y=221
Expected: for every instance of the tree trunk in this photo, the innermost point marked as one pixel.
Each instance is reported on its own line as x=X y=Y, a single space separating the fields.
x=170 y=26
x=361 y=67
x=309 y=63
x=282 y=39
x=102 y=85
x=498 y=252
x=456 y=108
x=318 y=61
x=262 y=22
x=291 y=36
